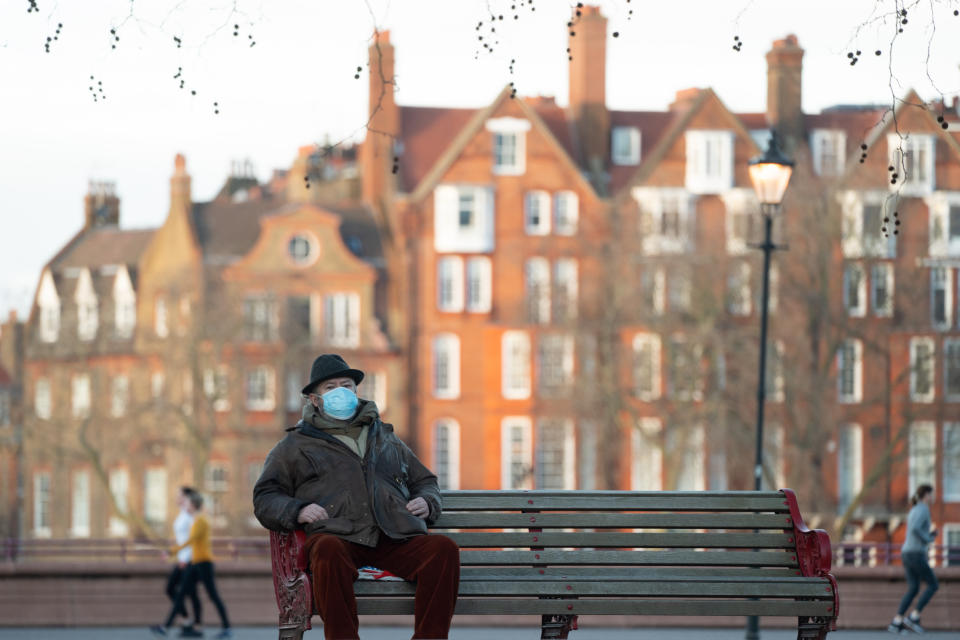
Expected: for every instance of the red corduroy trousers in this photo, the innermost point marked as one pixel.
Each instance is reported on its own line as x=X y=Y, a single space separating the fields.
x=432 y=561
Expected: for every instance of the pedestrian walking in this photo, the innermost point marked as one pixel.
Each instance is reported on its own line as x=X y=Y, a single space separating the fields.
x=200 y=570
x=363 y=498
x=181 y=533
x=913 y=554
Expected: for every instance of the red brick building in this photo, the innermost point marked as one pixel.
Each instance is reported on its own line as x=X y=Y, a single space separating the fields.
x=546 y=297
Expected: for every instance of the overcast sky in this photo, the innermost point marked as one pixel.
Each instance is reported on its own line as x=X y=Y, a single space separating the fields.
x=296 y=85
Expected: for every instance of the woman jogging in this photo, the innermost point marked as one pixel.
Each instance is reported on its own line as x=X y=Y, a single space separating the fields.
x=914 y=557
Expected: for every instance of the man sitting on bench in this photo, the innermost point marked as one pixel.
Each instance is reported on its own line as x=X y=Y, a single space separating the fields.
x=363 y=498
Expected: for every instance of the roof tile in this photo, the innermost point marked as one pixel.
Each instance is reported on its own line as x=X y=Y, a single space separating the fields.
x=426 y=133
x=107 y=245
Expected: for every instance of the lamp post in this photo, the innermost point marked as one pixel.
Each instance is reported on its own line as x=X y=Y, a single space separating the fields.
x=770 y=174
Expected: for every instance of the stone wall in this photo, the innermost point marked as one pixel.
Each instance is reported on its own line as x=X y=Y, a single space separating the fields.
x=131 y=594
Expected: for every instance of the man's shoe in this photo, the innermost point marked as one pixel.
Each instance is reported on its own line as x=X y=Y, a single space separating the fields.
x=913 y=624
x=226 y=633
x=191 y=632
x=895 y=627
x=158 y=631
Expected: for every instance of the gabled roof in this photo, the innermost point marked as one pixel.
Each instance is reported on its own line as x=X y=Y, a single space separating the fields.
x=556 y=120
x=452 y=149
x=652 y=126
x=426 y=132
x=674 y=129
x=103 y=246
x=228 y=230
x=754 y=121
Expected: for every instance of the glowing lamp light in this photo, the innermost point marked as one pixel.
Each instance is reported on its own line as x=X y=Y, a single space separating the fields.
x=770 y=173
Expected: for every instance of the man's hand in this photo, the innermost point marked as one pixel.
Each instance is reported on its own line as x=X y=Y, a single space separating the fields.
x=312 y=513
x=418 y=507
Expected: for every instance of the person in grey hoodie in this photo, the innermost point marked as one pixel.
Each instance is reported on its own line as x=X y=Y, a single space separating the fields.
x=914 y=557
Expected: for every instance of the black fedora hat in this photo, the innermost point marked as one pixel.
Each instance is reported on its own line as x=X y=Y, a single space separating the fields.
x=331 y=365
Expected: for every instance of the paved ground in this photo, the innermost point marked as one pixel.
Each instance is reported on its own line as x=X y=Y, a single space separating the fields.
x=470 y=633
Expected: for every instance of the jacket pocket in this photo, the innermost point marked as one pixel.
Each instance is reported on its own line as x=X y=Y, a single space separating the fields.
x=337 y=526
x=395 y=519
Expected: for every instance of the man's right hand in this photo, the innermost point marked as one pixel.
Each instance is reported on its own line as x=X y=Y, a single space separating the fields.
x=312 y=513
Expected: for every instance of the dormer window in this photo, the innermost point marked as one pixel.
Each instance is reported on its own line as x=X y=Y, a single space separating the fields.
x=709 y=161
x=86 y=300
x=505 y=152
x=509 y=145
x=625 y=145
x=49 y=303
x=124 y=305
x=829 y=151
x=912 y=158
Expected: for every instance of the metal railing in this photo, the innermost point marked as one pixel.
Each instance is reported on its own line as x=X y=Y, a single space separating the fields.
x=124 y=550
x=878 y=554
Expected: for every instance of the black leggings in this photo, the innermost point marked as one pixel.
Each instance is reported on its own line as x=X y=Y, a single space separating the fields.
x=176 y=578
x=917 y=570
x=199 y=572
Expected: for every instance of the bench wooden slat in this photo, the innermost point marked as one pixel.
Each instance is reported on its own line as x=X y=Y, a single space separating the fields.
x=622 y=501
x=628 y=558
x=630 y=573
x=480 y=520
x=519 y=606
x=615 y=588
x=617 y=539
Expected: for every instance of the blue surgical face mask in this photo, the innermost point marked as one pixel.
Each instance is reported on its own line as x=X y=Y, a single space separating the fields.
x=340 y=403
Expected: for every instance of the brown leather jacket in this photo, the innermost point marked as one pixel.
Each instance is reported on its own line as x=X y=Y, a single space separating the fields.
x=360 y=495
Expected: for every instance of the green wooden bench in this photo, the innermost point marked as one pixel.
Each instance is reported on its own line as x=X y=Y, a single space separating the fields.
x=562 y=554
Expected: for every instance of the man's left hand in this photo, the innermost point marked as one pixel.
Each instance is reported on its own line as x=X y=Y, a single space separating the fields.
x=418 y=507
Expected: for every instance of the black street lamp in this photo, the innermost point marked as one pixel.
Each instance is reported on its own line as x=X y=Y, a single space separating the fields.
x=770 y=175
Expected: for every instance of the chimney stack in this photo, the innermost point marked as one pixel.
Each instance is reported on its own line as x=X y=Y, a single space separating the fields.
x=377 y=150
x=180 y=186
x=684 y=99
x=588 y=94
x=784 y=70
x=297 y=185
x=101 y=206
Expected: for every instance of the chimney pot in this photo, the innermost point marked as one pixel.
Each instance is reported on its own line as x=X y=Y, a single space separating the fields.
x=101 y=205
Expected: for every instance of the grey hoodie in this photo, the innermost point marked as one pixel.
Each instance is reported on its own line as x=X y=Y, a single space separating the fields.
x=918 y=529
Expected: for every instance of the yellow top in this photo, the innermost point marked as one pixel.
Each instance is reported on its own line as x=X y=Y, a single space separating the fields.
x=199 y=541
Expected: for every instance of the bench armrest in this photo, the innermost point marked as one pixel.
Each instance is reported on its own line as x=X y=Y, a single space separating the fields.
x=290 y=580
x=814 y=553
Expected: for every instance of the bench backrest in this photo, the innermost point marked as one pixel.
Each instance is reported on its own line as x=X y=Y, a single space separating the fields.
x=716 y=533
